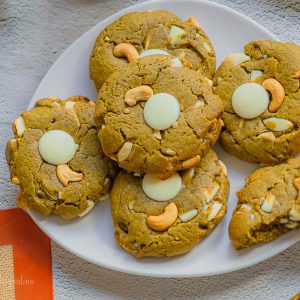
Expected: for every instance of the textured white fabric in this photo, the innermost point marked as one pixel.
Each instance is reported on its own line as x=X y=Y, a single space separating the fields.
x=32 y=35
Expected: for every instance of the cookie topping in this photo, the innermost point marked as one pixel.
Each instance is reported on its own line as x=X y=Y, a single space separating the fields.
x=65 y=174
x=176 y=63
x=211 y=193
x=124 y=152
x=215 y=209
x=19 y=125
x=126 y=50
x=255 y=74
x=57 y=147
x=175 y=35
x=165 y=220
x=277 y=91
x=268 y=202
x=153 y=52
x=238 y=58
x=139 y=93
x=277 y=124
x=250 y=100
x=161 y=190
x=90 y=206
x=189 y=215
x=295 y=213
x=161 y=111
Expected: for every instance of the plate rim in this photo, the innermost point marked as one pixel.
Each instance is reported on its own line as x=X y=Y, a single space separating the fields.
x=121 y=269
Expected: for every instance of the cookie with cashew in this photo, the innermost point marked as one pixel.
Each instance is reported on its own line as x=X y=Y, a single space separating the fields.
x=155 y=118
x=154 y=217
x=140 y=34
x=260 y=89
x=268 y=205
x=56 y=158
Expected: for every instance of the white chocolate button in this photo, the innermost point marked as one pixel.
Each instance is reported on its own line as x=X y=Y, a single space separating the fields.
x=161 y=111
x=57 y=147
x=238 y=58
x=153 y=52
x=175 y=35
x=161 y=190
x=250 y=100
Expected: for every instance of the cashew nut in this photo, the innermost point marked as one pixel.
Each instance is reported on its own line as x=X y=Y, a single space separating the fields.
x=192 y=20
x=139 y=93
x=126 y=50
x=277 y=91
x=65 y=174
x=297 y=75
x=125 y=151
x=165 y=220
x=192 y=162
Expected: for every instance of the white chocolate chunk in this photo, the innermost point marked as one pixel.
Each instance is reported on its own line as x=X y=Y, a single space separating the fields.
x=246 y=206
x=153 y=52
x=283 y=220
x=91 y=205
x=269 y=136
x=252 y=217
x=161 y=190
x=255 y=74
x=223 y=167
x=199 y=103
x=69 y=104
x=161 y=111
x=210 y=82
x=210 y=195
x=250 y=100
x=176 y=63
x=265 y=56
x=291 y=225
x=238 y=58
x=268 y=202
x=175 y=35
x=130 y=205
x=56 y=104
x=207 y=47
x=125 y=151
x=219 y=79
x=277 y=124
x=295 y=213
x=188 y=215
x=216 y=207
x=205 y=207
x=57 y=147
x=157 y=134
x=20 y=126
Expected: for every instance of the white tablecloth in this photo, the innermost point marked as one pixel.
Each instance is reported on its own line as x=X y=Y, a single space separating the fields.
x=32 y=35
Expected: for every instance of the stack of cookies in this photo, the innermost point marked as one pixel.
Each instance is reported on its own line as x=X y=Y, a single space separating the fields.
x=149 y=137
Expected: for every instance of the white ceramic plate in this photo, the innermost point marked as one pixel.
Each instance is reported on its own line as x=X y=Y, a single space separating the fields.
x=92 y=237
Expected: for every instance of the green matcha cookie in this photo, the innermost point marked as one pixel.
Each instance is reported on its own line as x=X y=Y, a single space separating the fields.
x=268 y=205
x=147 y=227
x=56 y=158
x=139 y=34
x=261 y=96
x=156 y=117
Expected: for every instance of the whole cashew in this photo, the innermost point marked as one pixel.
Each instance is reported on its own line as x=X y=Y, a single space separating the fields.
x=126 y=50
x=192 y=162
x=139 y=93
x=65 y=174
x=165 y=220
x=192 y=20
x=277 y=91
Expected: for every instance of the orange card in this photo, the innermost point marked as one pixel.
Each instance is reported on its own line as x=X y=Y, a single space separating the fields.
x=25 y=258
